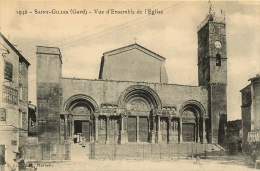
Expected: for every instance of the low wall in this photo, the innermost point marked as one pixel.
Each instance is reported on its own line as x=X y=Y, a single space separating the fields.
x=47 y=152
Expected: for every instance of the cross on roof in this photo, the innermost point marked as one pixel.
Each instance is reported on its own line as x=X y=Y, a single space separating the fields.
x=210 y=6
x=135 y=39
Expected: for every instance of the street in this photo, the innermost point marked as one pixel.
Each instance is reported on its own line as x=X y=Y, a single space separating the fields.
x=129 y=165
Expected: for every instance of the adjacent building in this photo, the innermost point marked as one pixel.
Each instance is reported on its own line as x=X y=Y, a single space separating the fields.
x=251 y=111
x=13 y=103
x=234 y=136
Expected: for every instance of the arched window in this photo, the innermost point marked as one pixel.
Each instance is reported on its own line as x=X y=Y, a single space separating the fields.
x=218 y=60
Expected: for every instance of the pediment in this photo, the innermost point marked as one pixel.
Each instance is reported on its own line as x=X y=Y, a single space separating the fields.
x=132 y=47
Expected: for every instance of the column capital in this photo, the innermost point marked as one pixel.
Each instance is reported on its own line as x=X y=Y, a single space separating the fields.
x=156 y=112
x=121 y=111
x=96 y=115
x=169 y=117
x=64 y=112
x=123 y=115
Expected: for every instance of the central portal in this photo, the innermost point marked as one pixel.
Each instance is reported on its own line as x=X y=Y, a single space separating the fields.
x=81 y=123
x=137 y=129
x=82 y=127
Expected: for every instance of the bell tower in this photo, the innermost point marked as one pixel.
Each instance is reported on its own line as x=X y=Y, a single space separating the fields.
x=212 y=72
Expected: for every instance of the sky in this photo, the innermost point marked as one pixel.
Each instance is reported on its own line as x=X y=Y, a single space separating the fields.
x=83 y=39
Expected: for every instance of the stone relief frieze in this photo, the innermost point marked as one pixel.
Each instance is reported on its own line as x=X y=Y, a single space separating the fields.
x=188 y=114
x=175 y=125
x=102 y=124
x=80 y=110
x=137 y=105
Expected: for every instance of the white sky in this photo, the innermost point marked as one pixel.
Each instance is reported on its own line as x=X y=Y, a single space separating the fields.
x=84 y=38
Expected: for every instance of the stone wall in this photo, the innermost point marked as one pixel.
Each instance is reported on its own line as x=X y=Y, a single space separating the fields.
x=255 y=88
x=212 y=72
x=218 y=111
x=246 y=112
x=133 y=63
x=48 y=93
x=103 y=91
x=47 y=152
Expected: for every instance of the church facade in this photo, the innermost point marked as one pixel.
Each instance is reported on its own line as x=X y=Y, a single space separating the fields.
x=132 y=101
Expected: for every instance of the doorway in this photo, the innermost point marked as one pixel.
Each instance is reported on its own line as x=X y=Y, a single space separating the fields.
x=143 y=129
x=131 y=129
x=82 y=127
x=188 y=132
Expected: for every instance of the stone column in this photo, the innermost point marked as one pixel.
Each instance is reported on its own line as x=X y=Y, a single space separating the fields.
x=180 y=133
x=137 y=129
x=198 y=130
x=152 y=130
x=149 y=128
x=92 y=127
x=204 y=140
x=72 y=128
x=170 y=131
x=62 y=128
x=159 y=133
x=96 y=126
x=69 y=129
x=65 y=127
x=123 y=133
x=107 y=130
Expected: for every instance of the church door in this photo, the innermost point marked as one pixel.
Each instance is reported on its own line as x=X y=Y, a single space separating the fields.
x=164 y=129
x=114 y=129
x=188 y=132
x=143 y=129
x=86 y=130
x=131 y=129
x=101 y=128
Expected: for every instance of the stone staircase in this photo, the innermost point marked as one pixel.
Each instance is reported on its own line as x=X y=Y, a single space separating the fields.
x=155 y=151
x=79 y=153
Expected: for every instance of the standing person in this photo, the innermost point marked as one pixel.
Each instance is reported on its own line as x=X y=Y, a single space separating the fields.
x=75 y=138
x=253 y=156
x=80 y=138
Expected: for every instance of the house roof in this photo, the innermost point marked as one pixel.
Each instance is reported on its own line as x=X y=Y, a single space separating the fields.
x=245 y=88
x=255 y=78
x=21 y=57
x=134 y=46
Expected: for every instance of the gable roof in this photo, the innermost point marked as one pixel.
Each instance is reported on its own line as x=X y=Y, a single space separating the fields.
x=245 y=88
x=21 y=58
x=134 y=46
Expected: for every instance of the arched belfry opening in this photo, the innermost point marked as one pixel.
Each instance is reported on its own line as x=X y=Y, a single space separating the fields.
x=218 y=59
x=192 y=126
x=78 y=116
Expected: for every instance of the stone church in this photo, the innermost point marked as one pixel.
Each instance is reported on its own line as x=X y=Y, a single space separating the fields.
x=132 y=101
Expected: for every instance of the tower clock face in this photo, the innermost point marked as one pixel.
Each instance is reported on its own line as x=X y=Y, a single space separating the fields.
x=218 y=44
